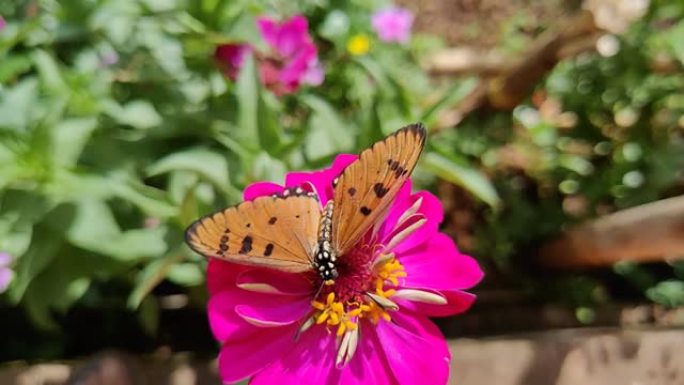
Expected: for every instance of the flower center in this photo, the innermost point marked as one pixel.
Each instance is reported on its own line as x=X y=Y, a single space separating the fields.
x=363 y=289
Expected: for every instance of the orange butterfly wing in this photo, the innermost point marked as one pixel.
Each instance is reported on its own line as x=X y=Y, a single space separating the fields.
x=279 y=232
x=368 y=186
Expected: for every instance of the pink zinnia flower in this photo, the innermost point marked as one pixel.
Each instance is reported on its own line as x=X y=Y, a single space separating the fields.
x=6 y=273
x=291 y=61
x=393 y=24
x=277 y=328
x=3 y=23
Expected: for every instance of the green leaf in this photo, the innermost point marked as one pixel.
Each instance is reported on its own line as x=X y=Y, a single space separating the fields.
x=14 y=66
x=208 y=164
x=247 y=91
x=450 y=98
x=49 y=72
x=266 y=167
x=257 y=124
x=34 y=261
x=18 y=104
x=150 y=200
x=95 y=229
x=467 y=177
x=328 y=134
x=668 y=293
x=372 y=128
x=140 y=114
x=150 y=276
x=69 y=138
x=186 y=274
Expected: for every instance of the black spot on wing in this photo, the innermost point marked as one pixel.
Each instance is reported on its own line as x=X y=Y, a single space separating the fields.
x=399 y=172
x=268 y=250
x=380 y=190
x=351 y=191
x=246 y=245
x=365 y=210
x=272 y=221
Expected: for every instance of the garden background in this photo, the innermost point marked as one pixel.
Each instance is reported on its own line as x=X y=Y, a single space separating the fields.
x=556 y=145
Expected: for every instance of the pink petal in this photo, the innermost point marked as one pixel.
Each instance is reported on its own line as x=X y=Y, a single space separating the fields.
x=221 y=275
x=294 y=70
x=285 y=38
x=431 y=208
x=393 y=24
x=457 y=302
x=322 y=180
x=243 y=358
x=269 y=30
x=293 y=36
x=310 y=361
x=6 y=276
x=402 y=202
x=274 y=282
x=437 y=264
x=416 y=351
x=369 y=365
x=258 y=189
x=5 y=259
x=230 y=309
x=314 y=75
x=224 y=322
x=275 y=314
x=231 y=57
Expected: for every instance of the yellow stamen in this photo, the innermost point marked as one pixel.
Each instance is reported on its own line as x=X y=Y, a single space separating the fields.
x=341 y=329
x=322 y=317
x=374 y=306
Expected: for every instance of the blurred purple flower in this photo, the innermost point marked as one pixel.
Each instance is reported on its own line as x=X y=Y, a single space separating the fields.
x=3 y=23
x=6 y=273
x=109 y=58
x=292 y=59
x=393 y=24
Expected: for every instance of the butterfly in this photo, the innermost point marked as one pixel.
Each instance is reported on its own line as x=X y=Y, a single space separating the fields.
x=291 y=231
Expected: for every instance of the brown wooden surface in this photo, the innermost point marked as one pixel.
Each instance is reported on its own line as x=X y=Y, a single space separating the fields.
x=559 y=357
x=650 y=232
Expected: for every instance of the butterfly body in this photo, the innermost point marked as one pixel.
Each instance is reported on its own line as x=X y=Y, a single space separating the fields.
x=325 y=257
x=291 y=232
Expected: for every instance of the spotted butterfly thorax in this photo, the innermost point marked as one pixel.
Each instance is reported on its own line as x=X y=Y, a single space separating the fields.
x=292 y=231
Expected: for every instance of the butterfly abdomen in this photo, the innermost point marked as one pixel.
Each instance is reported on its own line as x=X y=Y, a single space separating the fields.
x=325 y=257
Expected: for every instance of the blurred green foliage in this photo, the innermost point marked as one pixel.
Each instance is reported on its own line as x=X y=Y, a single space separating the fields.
x=117 y=130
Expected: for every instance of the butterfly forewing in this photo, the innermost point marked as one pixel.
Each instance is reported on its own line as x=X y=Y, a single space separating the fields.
x=367 y=187
x=279 y=232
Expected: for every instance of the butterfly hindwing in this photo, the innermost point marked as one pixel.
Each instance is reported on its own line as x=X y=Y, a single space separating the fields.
x=367 y=187
x=278 y=231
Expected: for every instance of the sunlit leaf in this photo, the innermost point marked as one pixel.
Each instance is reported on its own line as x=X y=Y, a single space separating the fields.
x=467 y=177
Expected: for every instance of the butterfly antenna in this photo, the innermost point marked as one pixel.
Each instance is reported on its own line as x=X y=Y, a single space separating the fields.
x=306 y=246
x=318 y=291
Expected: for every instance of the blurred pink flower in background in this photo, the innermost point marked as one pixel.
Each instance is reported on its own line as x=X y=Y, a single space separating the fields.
x=393 y=24
x=278 y=328
x=6 y=273
x=231 y=57
x=3 y=23
x=292 y=59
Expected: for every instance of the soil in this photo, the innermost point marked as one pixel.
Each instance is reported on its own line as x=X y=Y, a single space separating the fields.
x=481 y=23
